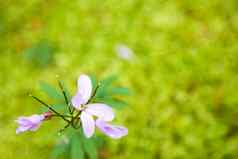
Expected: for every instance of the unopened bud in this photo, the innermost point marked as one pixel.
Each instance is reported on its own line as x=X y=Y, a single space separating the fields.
x=48 y=115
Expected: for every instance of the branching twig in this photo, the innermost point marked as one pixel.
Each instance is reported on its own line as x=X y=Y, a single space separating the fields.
x=65 y=97
x=94 y=93
x=49 y=107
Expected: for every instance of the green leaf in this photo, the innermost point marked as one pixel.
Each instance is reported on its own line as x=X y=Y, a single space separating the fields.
x=90 y=148
x=102 y=91
x=109 y=80
x=65 y=89
x=70 y=132
x=50 y=91
x=58 y=107
x=59 y=151
x=94 y=81
x=115 y=103
x=76 y=147
x=120 y=91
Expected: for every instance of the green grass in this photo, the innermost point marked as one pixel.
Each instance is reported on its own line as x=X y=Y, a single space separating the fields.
x=184 y=77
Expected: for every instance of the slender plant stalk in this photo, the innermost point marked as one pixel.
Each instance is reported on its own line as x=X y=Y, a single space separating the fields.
x=73 y=123
x=66 y=116
x=65 y=127
x=94 y=93
x=74 y=120
x=49 y=107
x=65 y=97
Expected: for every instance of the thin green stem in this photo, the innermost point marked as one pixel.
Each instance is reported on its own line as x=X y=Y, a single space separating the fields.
x=94 y=93
x=49 y=107
x=66 y=126
x=74 y=124
x=65 y=97
x=76 y=117
x=66 y=116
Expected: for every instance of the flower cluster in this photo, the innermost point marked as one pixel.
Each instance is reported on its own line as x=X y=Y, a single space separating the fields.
x=82 y=113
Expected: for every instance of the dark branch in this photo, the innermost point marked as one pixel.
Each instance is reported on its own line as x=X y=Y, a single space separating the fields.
x=65 y=97
x=49 y=107
x=94 y=93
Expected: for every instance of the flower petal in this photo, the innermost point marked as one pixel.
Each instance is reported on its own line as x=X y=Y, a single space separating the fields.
x=88 y=124
x=112 y=131
x=102 y=111
x=23 y=121
x=85 y=87
x=83 y=93
x=77 y=101
x=36 y=118
x=31 y=123
x=21 y=129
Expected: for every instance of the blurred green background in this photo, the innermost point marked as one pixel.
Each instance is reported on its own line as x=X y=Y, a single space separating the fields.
x=183 y=75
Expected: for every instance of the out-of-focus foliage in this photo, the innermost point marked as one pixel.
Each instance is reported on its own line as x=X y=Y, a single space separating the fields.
x=40 y=54
x=183 y=75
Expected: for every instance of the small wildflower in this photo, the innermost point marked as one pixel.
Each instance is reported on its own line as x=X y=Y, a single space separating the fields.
x=99 y=110
x=80 y=110
x=31 y=123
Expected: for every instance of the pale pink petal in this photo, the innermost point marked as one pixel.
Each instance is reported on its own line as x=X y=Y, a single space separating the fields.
x=112 y=131
x=21 y=129
x=36 y=118
x=83 y=93
x=102 y=111
x=88 y=124
x=77 y=101
x=31 y=123
x=85 y=87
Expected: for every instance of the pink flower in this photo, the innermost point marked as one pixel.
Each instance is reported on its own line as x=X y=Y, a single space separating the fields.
x=31 y=123
x=89 y=111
